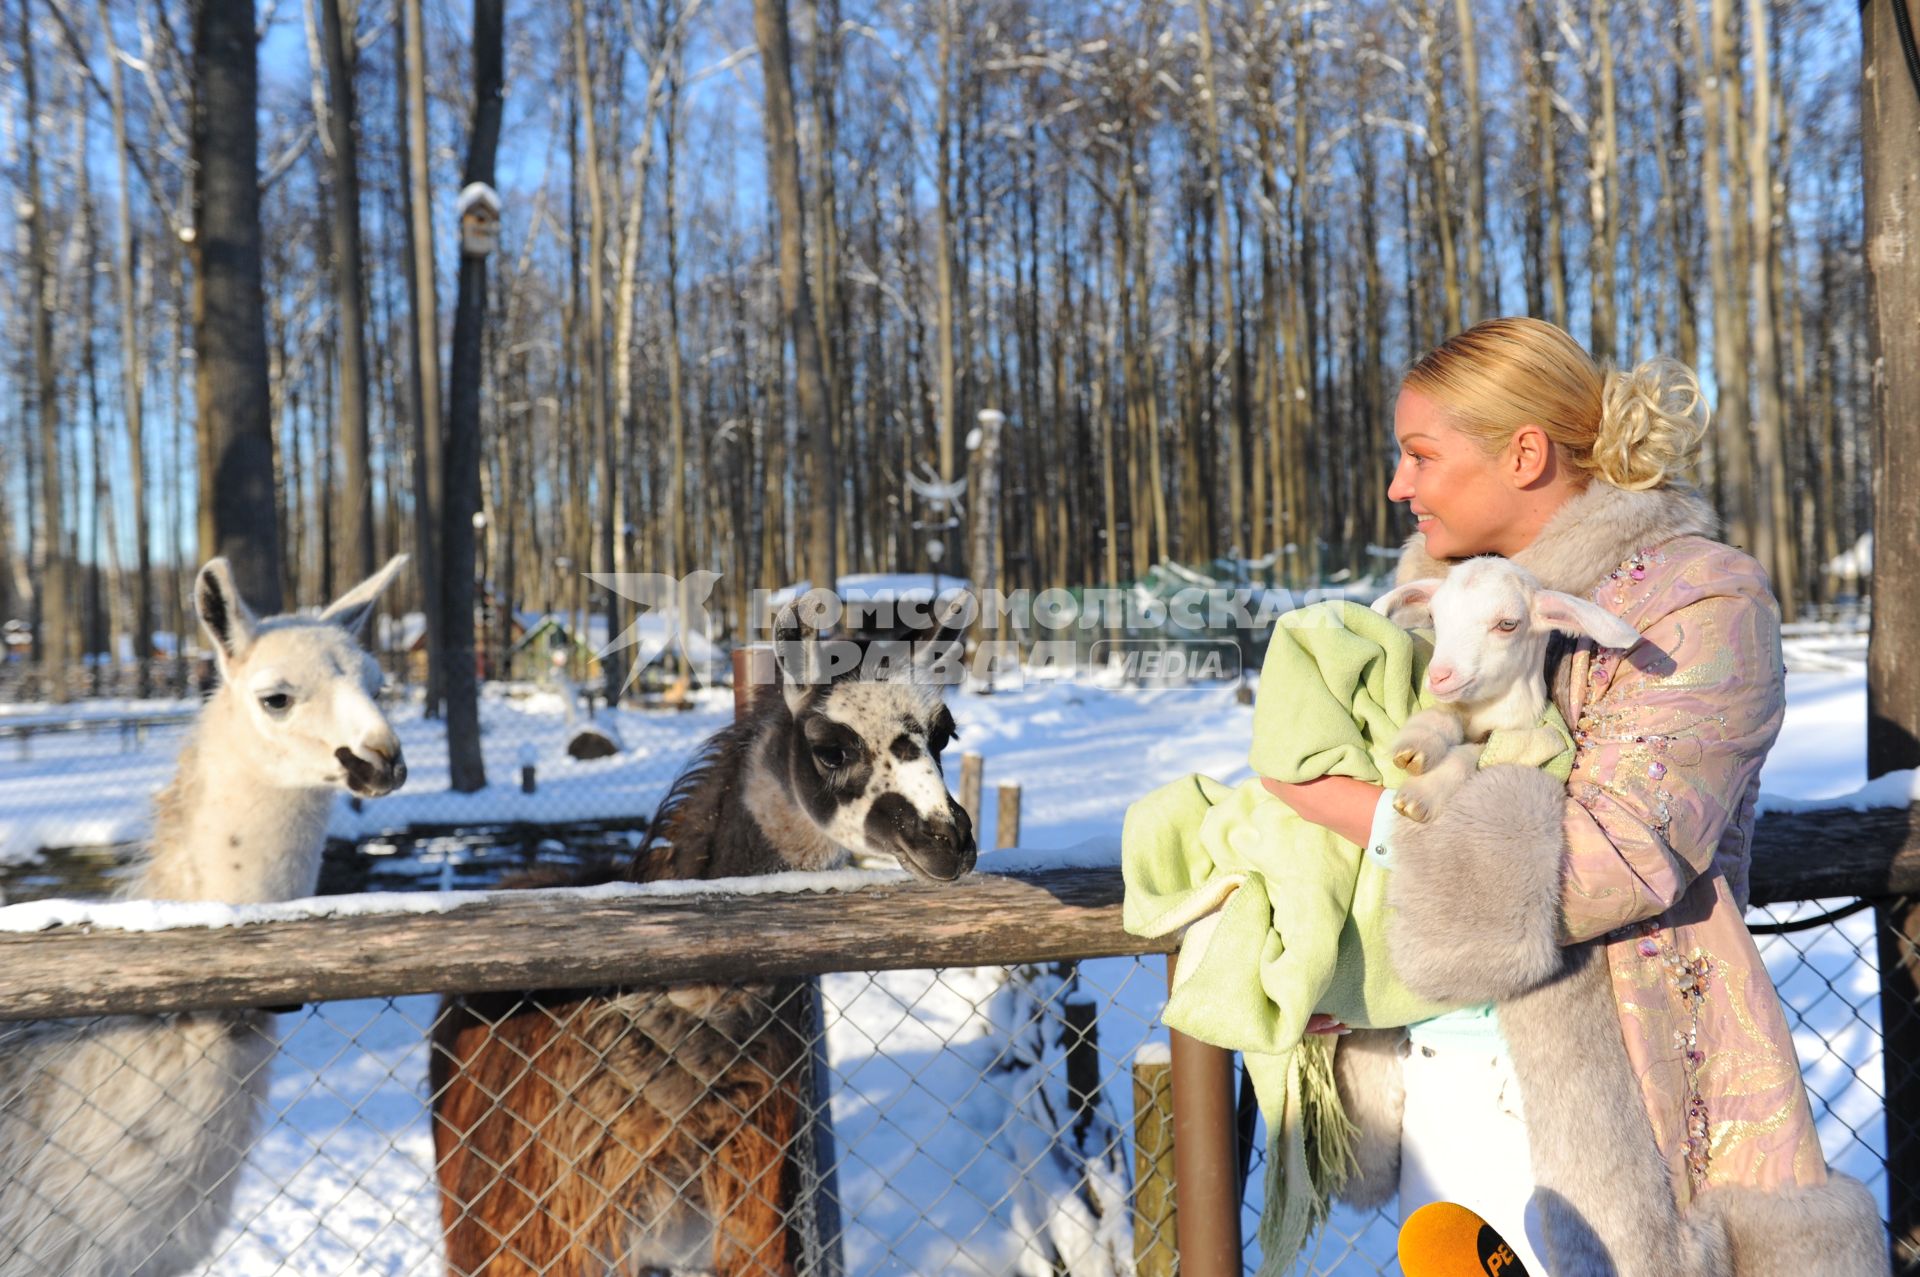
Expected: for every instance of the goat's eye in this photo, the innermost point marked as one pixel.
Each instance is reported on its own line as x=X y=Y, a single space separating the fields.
x=1506 y=627
x=830 y=757
x=276 y=703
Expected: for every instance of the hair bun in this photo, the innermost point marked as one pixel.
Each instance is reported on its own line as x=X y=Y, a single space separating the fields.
x=1652 y=421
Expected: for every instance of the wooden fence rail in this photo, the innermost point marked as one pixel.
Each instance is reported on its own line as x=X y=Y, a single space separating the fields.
x=562 y=939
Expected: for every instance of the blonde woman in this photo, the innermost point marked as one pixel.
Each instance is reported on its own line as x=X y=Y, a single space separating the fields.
x=1622 y=1094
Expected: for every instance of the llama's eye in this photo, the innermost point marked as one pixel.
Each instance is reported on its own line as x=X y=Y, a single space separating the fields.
x=276 y=703
x=1506 y=627
x=830 y=757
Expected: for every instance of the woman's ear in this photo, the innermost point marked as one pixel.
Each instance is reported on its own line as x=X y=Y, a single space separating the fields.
x=1529 y=455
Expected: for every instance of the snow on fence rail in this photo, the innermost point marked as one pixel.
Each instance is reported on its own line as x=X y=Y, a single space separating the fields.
x=972 y=1093
x=395 y=944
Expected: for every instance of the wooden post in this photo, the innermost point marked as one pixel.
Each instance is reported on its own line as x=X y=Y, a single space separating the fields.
x=1007 y=824
x=1890 y=172
x=971 y=767
x=1154 y=1251
x=1206 y=1174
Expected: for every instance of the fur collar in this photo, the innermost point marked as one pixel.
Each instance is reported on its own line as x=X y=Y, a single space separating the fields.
x=1589 y=536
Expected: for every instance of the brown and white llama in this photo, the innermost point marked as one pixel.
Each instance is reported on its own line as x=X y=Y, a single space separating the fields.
x=121 y=1137
x=650 y=1129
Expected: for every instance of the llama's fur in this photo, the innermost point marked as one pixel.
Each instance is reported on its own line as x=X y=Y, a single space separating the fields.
x=613 y=1129
x=121 y=1137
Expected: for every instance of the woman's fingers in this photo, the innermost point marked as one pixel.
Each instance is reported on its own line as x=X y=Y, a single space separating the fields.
x=1319 y=1023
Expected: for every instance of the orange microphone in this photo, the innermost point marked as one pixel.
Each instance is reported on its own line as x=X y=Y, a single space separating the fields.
x=1445 y=1239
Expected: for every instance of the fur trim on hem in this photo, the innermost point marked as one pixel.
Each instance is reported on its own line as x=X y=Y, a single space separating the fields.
x=1588 y=536
x=1476 y=891
x=1833 y=1229
x=1606 y=1200
x=1366 y=1070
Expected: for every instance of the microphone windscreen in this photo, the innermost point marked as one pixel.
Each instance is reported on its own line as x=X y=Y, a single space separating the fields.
x=1445 y=1239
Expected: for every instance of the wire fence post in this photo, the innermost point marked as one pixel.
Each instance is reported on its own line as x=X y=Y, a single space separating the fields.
x=1206 y=1174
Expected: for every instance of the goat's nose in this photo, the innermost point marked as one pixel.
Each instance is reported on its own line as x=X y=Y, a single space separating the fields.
x=1439 y=675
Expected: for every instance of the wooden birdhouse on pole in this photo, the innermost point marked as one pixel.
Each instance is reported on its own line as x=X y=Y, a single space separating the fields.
x=479 y=209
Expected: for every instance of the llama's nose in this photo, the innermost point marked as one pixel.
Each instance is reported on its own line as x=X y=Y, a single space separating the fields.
x=376 y=769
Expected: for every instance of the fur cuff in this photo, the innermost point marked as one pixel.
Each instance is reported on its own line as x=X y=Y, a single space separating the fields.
x=1833 y=1229
x=1476 y=891
x=1366 y=1070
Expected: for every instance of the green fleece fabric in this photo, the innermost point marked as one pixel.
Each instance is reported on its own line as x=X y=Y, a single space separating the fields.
x=1284 y=917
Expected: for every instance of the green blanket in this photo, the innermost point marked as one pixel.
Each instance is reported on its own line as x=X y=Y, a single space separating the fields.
x=1283 y=917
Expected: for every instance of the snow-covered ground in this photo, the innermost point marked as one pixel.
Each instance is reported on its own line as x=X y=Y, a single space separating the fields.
x=932 y=1142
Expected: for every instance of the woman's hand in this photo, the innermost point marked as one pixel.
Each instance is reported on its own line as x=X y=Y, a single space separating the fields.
x=1339 y=803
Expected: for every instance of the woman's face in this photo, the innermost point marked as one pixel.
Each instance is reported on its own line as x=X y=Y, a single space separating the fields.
x=1463 y=498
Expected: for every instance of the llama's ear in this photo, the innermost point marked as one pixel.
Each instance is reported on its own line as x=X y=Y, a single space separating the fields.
x=224 y=615
x=1556 y=611
x=1412 y=594
x=797 y=656
x=352 y=610
x=934 y=657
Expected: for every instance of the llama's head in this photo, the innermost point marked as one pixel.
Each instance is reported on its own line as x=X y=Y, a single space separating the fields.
x=303 y=686
x=1491 y=619
x=866 y=724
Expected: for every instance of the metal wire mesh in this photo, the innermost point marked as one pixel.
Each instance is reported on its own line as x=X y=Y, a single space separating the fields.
x=978 y=1120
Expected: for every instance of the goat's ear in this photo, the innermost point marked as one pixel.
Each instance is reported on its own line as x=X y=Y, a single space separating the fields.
x=224 y=615
x=352 y=610
x=1413 y=593
x=1556 y=611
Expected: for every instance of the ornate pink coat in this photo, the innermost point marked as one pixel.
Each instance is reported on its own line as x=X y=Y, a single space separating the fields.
x=1669 y=1127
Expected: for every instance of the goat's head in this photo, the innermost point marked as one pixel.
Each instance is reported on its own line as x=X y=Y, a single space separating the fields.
x=868 y=723
x=302 y=687
x=1491 y=619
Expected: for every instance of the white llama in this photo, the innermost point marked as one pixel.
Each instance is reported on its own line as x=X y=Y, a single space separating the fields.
x=121 y=1137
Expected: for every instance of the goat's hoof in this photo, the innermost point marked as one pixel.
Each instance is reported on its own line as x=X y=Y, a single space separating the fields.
x=1412 y=760
x=1412 y=808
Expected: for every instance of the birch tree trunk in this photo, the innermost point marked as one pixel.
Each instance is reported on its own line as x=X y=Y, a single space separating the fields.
x=423 y=340
x=52 y=603
x=1603 y=187
x=1232 y=390
x=1776 y=521
x=612 y=663
x=132 y=369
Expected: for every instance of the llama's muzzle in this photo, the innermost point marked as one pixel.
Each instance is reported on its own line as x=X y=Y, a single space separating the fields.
x=939 y=850
x=376 y=776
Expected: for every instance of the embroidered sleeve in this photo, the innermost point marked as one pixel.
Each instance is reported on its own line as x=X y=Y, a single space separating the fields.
x=1672 y=734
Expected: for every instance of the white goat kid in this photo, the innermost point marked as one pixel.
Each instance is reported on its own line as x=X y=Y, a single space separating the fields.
x=1491 y=619
x=121 y=1137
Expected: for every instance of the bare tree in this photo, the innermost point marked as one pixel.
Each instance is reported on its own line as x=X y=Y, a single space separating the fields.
x=423 y=339
x=466 y=767
x=796 y=300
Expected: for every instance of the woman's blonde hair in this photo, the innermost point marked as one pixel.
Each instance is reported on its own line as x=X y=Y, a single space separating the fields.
x=1637 y=429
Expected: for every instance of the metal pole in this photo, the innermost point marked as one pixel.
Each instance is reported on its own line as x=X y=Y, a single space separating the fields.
x=1206 y=1175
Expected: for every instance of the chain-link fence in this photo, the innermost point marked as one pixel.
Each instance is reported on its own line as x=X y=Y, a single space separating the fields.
x=989 y=1120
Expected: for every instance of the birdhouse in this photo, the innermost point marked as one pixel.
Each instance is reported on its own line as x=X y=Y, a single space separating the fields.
x=479 y=208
